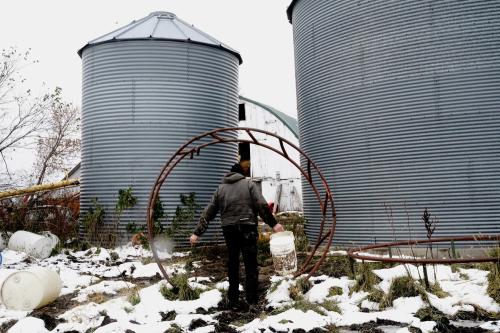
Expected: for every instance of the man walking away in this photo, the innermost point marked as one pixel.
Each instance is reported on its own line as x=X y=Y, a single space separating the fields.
x=239 y=201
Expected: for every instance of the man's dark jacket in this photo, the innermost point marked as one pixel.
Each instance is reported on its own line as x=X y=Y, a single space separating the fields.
x=239 y=201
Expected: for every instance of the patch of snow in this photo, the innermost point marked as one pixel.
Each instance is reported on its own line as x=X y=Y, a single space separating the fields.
x=196 y=285
x=443 y=273
x=199 y=279
x=29 y=325
x=372 y=306
x=8 y=315
x=123 y=326
x=87 y=315
x=152 y=301
x=102 y=256
x=224 y=285
x=206 y=329
x=150 y=270
x=319 y=292
x=72 y=281
x=463 y=293
x=183 y=320
x=403 y=330
x=493 y=326
x=281 y=295
x=287 y=321
x=10 y=257
x=105 y=287
x=402 y=311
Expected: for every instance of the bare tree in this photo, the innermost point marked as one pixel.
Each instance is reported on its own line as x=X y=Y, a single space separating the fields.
x=21 y=114
x=60 y=142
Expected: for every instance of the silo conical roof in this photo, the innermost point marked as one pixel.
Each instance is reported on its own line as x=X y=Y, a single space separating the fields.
x=161 y=26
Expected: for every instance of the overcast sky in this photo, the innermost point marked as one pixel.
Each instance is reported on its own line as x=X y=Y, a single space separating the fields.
x=56 y=29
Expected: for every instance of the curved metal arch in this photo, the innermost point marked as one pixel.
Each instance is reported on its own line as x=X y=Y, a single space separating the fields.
x=220 y=136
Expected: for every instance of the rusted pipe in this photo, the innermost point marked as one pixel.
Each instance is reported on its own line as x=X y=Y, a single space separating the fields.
x=354 y=252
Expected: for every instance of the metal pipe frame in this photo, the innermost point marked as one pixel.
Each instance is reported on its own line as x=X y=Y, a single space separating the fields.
x=222 y=136
x=354 y=252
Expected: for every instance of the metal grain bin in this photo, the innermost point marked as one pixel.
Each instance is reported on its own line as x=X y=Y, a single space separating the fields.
x=148 y=87
x=399 y=103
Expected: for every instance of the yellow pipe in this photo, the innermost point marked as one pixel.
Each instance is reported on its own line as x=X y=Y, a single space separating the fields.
x=39 y=188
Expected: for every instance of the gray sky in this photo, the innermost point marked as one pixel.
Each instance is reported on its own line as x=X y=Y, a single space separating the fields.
x=56 y=29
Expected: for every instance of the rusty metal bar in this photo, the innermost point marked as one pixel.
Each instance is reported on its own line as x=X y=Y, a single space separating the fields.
x=252 y=136
x=309 y=171
x=283 y=148
x=354 y=252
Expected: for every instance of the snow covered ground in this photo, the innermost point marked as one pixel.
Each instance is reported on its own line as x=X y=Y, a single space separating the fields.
x=117 y=274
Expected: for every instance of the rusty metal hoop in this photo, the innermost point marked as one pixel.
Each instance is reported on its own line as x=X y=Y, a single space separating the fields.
x=354 y=252
x=219 y=136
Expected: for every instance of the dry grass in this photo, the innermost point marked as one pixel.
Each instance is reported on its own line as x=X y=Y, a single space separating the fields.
x=376 y=295
x=494 y=282
x=331 y=306
x=181 y=290
x=98 y=298
x=403 y=287
x=365 y=280
x=335 y=291
x=438 y=291
x=133 y=296
x=299 y=289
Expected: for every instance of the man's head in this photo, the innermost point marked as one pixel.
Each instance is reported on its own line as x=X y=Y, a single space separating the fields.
x=243 y=168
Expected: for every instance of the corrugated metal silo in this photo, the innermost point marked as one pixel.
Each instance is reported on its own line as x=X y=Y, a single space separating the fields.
x=399 y=104
x=148 y=87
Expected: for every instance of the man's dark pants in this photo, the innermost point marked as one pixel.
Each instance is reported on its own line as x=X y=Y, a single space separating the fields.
x=242 y=238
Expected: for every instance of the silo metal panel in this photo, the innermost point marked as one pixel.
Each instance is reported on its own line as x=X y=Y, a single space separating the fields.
x=141 y=101
x=399 y=104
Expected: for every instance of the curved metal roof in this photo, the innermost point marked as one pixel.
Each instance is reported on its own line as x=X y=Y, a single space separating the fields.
x=289 y=121
x=161 y=26
x=289 y=10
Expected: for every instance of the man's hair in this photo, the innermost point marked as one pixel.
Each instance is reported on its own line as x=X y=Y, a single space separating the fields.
x=237 y=168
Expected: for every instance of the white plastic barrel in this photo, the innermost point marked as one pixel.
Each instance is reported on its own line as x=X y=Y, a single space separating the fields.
x=32 y=289
x=55 y=240
x=282 y=245
x=32 y=244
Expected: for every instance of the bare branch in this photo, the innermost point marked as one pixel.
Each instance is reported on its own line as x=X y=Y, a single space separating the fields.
x=60 y=141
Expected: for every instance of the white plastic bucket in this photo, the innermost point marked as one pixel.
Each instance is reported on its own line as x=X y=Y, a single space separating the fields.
x=282 y=245
x=32 y=244
x=29 y=290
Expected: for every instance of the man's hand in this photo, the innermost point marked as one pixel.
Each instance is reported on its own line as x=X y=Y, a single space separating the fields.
x=193 y=239
x=278 y=228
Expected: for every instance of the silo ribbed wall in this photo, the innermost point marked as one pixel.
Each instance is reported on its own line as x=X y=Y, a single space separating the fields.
x=141 y=101
x=399 y=104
